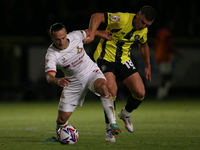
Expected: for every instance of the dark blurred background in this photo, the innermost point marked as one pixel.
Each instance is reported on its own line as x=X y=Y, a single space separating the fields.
x=24 y=41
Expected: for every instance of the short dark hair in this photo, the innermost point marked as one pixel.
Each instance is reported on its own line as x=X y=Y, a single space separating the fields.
x=56 y=27
x=149 y=12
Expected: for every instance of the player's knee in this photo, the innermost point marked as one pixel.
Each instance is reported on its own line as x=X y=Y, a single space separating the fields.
x=139 y=94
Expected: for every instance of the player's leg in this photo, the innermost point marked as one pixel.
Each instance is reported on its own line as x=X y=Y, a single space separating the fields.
x=112 y=87
x=136 y=86
x=98 y=84
x=129 y=76
x=62 y=119
x=108 y=69
x=111 y=83
x=64 y=112
x=100 y=87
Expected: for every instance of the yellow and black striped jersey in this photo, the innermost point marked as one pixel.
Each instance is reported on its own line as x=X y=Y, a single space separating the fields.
x=123 y=36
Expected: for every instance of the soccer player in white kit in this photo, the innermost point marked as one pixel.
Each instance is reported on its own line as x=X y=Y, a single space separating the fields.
x=80 y=73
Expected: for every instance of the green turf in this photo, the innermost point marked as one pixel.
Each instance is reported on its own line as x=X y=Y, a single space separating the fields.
x=173 y=124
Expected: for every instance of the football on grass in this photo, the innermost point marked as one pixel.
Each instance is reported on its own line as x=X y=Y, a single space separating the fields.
x=67 y=134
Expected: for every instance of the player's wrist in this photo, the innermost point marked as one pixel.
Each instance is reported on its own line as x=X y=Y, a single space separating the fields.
x=57 y=81
x=148 y=66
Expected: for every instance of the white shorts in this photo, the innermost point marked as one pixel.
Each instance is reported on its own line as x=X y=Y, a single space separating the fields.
x=75 y=93
x=66 y=107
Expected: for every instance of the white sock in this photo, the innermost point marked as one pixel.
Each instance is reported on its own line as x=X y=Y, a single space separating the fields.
x=107 y=126
x=108 y=106
x=125 y=112
x=60 y=125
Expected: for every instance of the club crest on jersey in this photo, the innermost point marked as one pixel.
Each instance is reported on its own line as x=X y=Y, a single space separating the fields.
x=79 y=50
x=103 y=68
x=116 y=18
x=136 y=37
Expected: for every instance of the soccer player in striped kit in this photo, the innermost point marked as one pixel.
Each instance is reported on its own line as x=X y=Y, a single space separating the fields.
x=113 y=57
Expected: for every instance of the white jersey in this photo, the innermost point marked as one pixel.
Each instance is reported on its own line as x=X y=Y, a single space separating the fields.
x=73 y=61
x=77 y=66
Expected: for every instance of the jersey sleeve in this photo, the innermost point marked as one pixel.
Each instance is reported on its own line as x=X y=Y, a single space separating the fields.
x=50 y=63
x=143 y=39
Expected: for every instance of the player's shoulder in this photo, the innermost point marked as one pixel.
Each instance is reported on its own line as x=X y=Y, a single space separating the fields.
x=51 y=51
x=77 y=34
x=120 y=17
x=144 y=31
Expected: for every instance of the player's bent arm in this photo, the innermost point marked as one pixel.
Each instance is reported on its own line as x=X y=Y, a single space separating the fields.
x=50 y=76
x=95 y=21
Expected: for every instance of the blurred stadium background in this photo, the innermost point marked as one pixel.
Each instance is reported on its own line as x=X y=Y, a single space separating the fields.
x=24 y=41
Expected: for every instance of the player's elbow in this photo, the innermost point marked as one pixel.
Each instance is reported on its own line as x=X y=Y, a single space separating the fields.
x=98 y=16
x=48 y=79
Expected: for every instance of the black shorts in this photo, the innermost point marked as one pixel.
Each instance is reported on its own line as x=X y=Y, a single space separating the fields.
x=120 y=70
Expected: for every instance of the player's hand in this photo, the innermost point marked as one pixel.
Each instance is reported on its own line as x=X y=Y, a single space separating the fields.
x=105 y=34
x=62 y=82
x=148 y=73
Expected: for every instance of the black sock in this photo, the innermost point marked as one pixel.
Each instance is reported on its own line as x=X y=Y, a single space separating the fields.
x=132 y=103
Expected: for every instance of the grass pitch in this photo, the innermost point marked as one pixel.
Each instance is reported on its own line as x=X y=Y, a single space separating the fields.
x=168 y=125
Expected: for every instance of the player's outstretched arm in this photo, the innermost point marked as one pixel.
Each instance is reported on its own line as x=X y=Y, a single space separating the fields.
x=104 y=34
x=50 y=76
x=100 y=33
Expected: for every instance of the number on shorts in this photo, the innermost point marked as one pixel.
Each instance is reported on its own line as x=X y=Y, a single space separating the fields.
x=129 y=64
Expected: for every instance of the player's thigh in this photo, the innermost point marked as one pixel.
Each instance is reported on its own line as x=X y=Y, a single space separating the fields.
x=135 y=84
x=108 y=69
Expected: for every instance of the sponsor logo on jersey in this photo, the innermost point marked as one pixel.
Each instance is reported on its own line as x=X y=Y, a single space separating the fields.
x=136 y=37
x=63 y=60
x=66 y=67
x=116 y=18
x=79 y=50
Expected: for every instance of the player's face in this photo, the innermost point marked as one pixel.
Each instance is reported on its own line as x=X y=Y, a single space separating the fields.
x=59 y=39
x=141 y=22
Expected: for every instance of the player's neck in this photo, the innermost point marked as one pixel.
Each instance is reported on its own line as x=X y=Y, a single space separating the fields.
x=67 y=43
